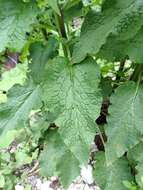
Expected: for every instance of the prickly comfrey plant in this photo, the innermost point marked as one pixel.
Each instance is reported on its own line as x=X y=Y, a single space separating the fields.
x=85 y=78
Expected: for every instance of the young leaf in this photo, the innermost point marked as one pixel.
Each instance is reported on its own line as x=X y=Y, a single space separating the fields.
x=40 y=54
x=16 y=18
x=57 y=159
x=73 y=89
x=124 y=129
x=117 y=18
x=73 y=11
x=54 y=5
x=112 y=177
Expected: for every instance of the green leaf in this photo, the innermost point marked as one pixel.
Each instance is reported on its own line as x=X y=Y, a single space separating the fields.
x=100 y=170
x=16 y=75
x=2 y=181
x=73 y=11
x=106 y=87
x=124 y=129
x=118 y=18
x=16 y=18
x=139 y=176
x=116 y=49
x=57 y=159
x=3 y=97
x=54 y=5
x=127 y=184
x=40 y=54
x=73 y=90
x=111 y=177
x=22 y=158
x=7 y=138
x=135 y=156
x=21 y=100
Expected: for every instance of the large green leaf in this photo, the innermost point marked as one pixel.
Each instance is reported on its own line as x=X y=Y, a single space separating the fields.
x=111 y=177
x=16 y=18
x=57 y=159
x=73 y=90
x=15 y=112
x=118 y=18
x=116 y=49
x=22 y=99
x=124 y=129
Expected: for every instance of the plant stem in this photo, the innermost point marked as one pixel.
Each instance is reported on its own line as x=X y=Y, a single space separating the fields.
x=136 y=73
x=62 y=31
x=118 y=75
x=121 y=68
x=62 y=25
x=101 y=136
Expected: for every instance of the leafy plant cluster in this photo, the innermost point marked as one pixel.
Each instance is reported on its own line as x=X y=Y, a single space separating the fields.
x=79 y=74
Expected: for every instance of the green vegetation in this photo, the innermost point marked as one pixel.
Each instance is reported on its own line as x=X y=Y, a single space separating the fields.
x=71 y=73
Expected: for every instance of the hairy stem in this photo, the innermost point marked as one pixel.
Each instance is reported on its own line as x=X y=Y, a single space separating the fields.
x=62 y=31
x=118 y=75
x=121 y=68
x=137 y=71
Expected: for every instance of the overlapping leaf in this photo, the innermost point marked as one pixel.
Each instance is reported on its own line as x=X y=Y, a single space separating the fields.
x=16 y=18
x=118 y=18
x=15 y=112
x=54 y=5
x=124 y=129
x=22 y=99
x=15 y=76
x=57 y=159
x=73 y=90
x=116 y=49
x=112 y=177
x=40 y=55
x=73 y=10
x=135 y=156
